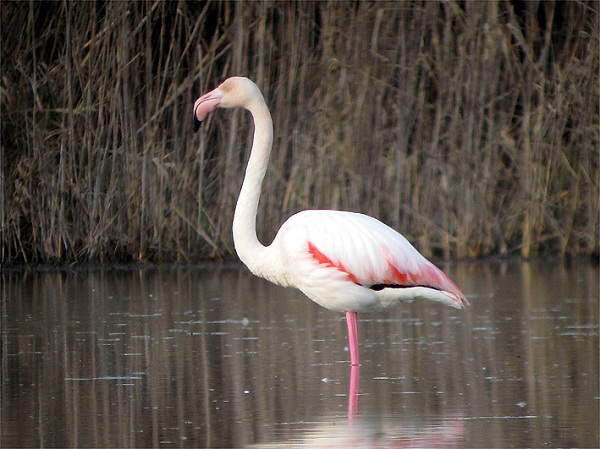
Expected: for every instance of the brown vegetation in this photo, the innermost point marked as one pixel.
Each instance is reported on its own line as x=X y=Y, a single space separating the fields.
x=471 y=127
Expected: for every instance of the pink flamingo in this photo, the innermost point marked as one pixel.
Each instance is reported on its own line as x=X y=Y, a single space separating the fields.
x=344 y=261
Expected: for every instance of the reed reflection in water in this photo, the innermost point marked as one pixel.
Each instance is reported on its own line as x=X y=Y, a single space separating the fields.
x=216 y=357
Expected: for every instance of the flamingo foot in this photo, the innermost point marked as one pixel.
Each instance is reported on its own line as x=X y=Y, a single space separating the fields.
x=352 y=338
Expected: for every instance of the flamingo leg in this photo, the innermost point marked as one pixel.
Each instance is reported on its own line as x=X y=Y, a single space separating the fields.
x=353 y=392
x=352 y=338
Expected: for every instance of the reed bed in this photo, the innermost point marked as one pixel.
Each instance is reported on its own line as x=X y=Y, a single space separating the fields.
x=471 y=127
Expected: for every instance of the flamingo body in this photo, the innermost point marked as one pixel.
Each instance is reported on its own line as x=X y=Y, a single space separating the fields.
x=344 y=261
x=347 y=261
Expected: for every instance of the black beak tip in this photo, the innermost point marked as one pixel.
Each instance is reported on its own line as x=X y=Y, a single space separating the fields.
x=196 y=124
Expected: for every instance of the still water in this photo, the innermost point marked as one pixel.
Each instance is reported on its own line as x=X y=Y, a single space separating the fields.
x=214 y=357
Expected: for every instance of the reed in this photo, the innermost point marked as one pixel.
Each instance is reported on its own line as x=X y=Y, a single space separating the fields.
x=472 y=128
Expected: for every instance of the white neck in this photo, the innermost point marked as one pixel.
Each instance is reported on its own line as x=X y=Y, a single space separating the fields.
x=249 y=249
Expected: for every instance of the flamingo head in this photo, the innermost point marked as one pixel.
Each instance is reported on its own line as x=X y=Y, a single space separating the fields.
x=234 y=92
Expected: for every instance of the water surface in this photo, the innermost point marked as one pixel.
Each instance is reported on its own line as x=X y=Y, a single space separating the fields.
x=214 y=357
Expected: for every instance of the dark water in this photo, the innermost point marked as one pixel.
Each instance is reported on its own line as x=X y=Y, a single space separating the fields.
x=218 y=358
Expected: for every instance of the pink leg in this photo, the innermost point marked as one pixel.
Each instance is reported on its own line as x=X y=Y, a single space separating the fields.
x=353 y=393
x=352 y=337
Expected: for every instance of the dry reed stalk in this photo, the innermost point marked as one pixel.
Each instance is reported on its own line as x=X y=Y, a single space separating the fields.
x=471 y=128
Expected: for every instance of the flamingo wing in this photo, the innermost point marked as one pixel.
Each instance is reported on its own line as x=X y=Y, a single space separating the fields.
x=350 y=261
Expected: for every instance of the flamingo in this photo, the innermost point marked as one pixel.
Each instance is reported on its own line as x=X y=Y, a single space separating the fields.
x=344 y=261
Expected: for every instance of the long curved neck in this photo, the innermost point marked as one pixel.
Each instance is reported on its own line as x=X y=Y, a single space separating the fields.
x=246 y=243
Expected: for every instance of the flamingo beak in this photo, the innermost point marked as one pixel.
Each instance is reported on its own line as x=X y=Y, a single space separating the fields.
x=205 y=105
x=196 y=121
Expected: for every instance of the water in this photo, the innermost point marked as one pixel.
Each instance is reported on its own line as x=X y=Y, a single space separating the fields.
x=199 y=357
